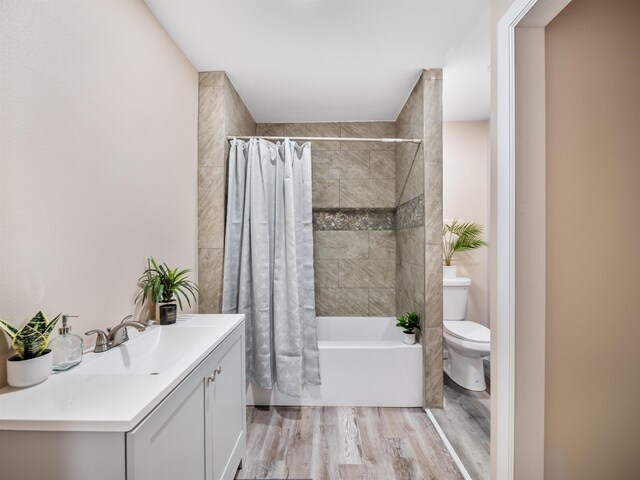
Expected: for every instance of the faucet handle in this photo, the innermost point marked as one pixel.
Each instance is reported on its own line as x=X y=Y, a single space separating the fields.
x=102 y=343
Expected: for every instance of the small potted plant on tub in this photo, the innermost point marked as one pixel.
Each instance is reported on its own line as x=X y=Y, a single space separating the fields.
x=33 y=361
x=409 y=323
x=166 y=286
x=459 y=237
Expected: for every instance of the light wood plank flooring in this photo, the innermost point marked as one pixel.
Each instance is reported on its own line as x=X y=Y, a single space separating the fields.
x=466 y=421
x=331 y=443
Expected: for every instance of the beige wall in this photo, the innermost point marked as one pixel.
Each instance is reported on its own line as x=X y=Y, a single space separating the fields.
x=592 y=426
x=465 y=171
x=98 y=113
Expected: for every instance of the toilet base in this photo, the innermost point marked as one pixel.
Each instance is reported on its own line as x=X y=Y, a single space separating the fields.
x=467 y=372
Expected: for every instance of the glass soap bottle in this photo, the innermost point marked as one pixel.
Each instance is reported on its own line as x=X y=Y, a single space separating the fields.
x=66 y=347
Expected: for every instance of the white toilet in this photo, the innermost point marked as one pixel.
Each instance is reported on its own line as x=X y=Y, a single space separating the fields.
x=466 y=342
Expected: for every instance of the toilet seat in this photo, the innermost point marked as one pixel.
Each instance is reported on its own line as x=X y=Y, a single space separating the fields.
x=468 y=331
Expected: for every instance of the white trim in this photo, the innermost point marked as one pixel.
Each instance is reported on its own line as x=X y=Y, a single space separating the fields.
x=538 y=13
x=452 y=452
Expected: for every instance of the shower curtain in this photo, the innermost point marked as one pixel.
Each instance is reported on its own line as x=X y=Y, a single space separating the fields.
x=268 y=262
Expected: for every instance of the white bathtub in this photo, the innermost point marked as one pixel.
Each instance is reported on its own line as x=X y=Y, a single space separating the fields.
x=363 y=362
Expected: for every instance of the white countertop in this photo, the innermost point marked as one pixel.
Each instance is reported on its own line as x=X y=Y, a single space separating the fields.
x=77 y=401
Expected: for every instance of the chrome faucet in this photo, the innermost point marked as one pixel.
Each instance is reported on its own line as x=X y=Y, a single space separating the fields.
x=114 y=336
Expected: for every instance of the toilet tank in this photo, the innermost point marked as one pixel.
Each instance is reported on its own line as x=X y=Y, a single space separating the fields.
x=455 y=294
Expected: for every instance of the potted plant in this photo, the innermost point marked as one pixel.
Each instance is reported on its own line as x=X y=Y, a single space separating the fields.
x=33 y=361
x=409 y=323
x=459 y=237
x=165 y=286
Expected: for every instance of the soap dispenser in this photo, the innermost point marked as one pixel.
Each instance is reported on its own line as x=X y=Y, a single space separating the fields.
x=67 y=347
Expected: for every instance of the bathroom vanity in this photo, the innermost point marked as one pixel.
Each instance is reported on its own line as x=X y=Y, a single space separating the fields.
x=168 y=404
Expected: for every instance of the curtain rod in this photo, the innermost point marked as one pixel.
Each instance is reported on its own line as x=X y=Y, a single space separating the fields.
x=332 y=139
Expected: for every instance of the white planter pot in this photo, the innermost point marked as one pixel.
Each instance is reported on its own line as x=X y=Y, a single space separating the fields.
x=409 y=338
x=25 y=373
x=449 y=272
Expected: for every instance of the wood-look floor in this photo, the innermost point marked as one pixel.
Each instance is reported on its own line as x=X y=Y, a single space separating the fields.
x=327 y=443
x=466 y=421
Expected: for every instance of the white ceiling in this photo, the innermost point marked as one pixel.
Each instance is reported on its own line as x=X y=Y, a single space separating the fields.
x=331 y=60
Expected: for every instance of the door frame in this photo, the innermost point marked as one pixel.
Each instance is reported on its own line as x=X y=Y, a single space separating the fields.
x=520 y=189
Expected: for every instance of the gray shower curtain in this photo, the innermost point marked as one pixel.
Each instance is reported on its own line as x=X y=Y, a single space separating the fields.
x=268 y=262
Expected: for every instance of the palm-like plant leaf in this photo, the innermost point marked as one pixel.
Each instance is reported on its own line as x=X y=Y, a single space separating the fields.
x=162 y=283
x=460 y=237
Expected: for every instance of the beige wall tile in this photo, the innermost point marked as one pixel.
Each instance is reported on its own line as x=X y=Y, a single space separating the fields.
x=433 y=384
x=382 y=164
x=410 y=288
x=236 y=112
x=210 y=264
x=407 y=156
x=433 y=285
x=382 y=244
x=410 y=121
x=206 y=79
x=341 y=244
x=367 y=130
x=367 y=273
x=329 y=129
x=350 y=302
x=341 y=164
x=211 y=143
x=326 y=273
x=411 y=245
x=210 y=207
x=370 y=193
x=414 y=185
x=270 y=129
x=326 y=193
x=433 y=203
x=433 y=115
x=382 y=302
x=211 y=105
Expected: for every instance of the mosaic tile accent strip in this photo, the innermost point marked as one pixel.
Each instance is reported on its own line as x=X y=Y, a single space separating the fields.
x=411 y=213
x=354 y=219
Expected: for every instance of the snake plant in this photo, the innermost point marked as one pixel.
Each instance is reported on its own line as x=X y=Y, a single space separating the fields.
x=460 y=237
x=161 y=283
x=31 y=340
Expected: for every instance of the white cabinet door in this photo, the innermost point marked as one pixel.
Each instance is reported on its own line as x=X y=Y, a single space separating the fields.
x=225 y=410
x=168 y=444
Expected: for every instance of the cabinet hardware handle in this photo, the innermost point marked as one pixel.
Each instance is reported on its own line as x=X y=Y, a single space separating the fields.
x=217 y=371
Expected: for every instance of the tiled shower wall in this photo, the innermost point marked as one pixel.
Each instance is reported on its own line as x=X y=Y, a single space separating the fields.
x=221 y=112
x=354 y=216
x=419 y=222
x=377 y=210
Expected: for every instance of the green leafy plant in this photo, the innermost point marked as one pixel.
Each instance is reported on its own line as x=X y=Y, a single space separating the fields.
x=32 y=339
x=162 y=283
x=460 y=237
x=409 y=322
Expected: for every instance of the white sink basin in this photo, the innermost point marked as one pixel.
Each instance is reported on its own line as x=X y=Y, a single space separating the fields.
x=148 y=353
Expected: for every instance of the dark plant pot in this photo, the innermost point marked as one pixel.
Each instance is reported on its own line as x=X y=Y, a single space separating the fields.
x=166 y=313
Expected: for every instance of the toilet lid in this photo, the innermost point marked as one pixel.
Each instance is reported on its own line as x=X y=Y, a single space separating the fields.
x=466 y=330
